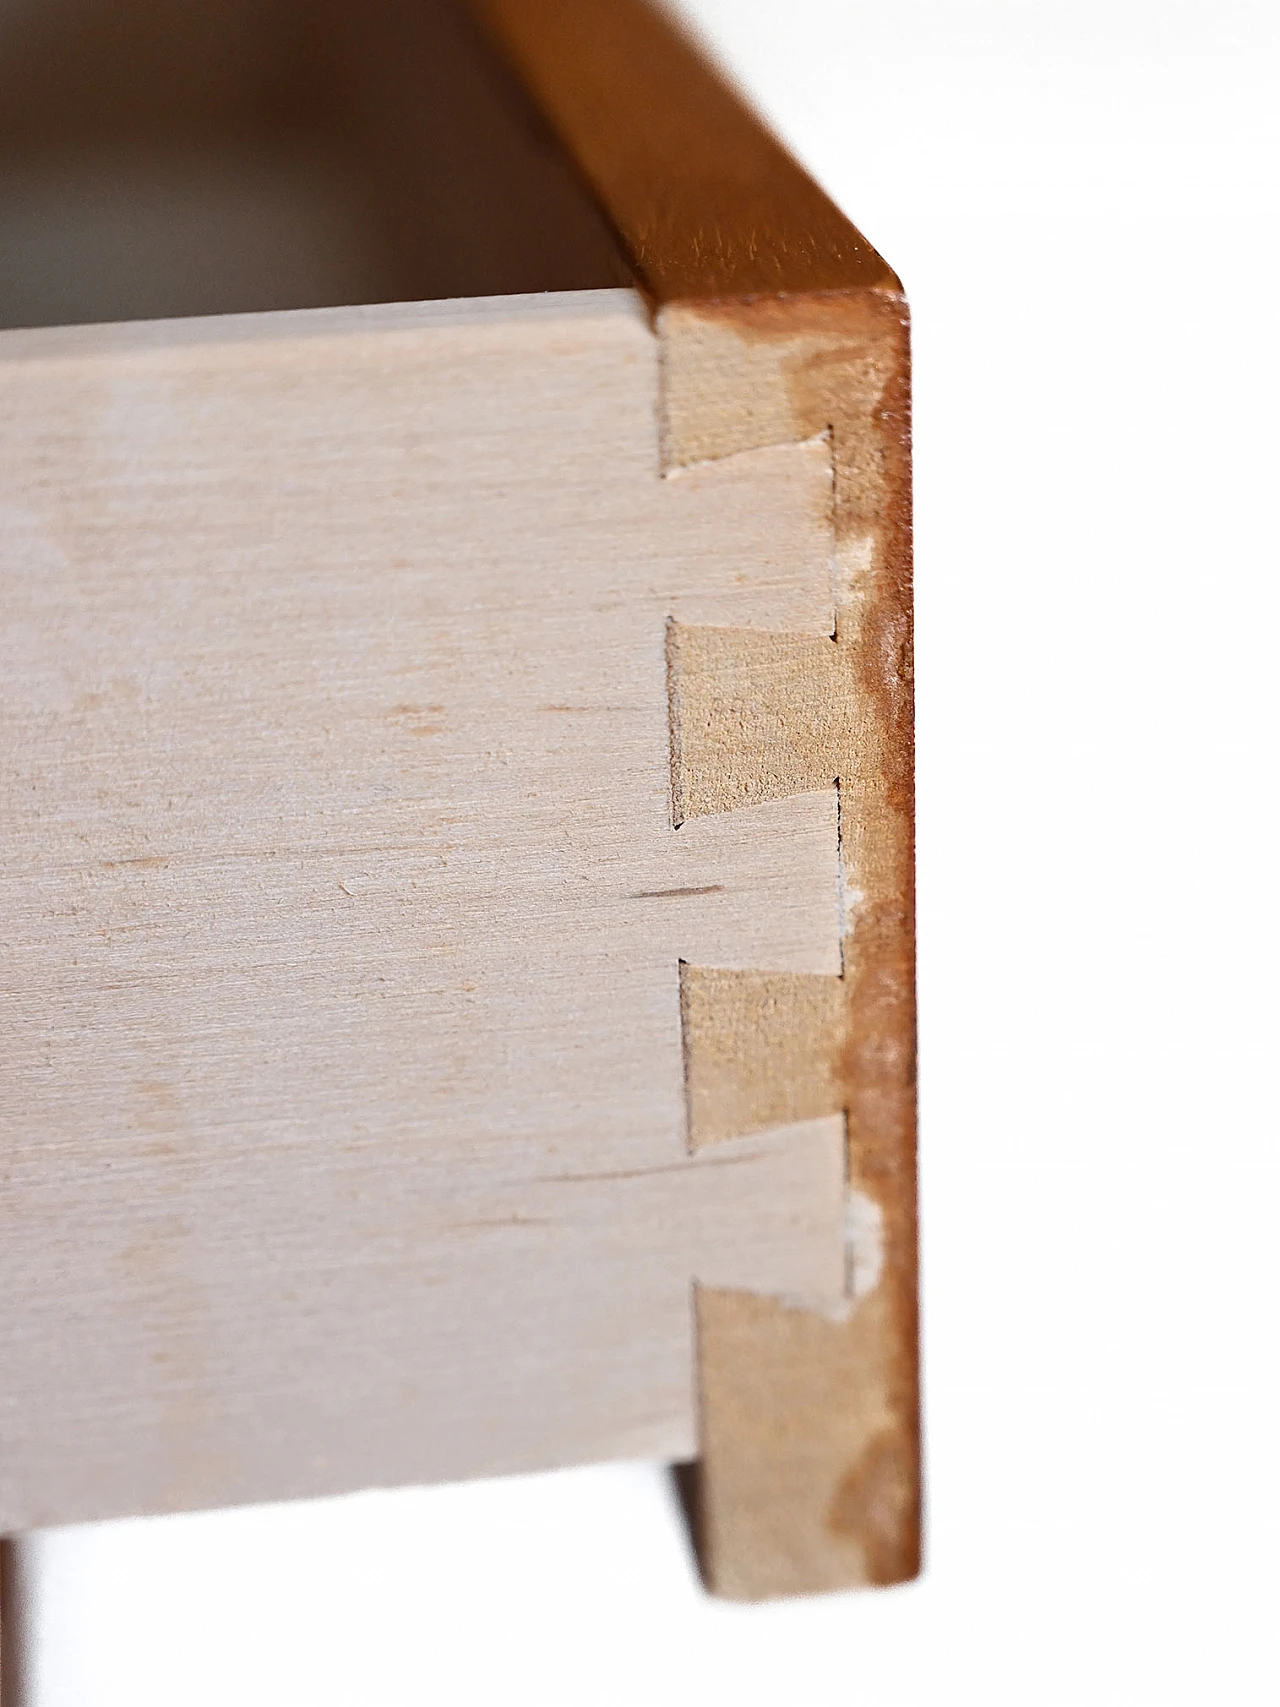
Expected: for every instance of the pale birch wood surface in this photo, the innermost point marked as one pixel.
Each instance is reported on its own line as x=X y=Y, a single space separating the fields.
x=341 y=1093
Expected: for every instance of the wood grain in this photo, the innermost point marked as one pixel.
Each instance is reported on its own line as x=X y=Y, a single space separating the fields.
x=342 y=1099
x=796 y=1026
x=780 y=324
x=643 y=589
x=706 y=201
x=757 y=717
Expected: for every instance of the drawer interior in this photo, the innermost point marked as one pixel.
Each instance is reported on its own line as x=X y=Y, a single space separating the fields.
x=175 y=157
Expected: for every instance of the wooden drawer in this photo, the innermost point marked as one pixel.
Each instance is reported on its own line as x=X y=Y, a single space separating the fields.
x=455 y=862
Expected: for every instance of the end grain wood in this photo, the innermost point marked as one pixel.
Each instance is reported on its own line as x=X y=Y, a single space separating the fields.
x=779 y=323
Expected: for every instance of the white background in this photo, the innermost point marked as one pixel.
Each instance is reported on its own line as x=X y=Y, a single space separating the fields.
x=1081 y=199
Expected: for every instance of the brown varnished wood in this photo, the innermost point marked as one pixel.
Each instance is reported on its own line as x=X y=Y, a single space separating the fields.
x=707 y=202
